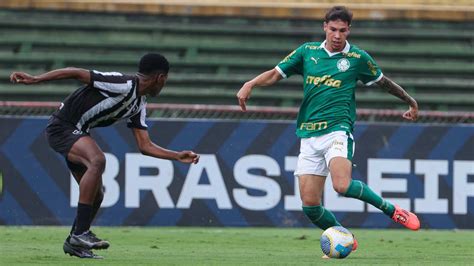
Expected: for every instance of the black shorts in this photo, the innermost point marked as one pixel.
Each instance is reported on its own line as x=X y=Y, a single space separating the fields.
x=62 y=135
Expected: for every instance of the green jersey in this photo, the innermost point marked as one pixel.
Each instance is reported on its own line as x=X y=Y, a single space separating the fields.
x=329 y=86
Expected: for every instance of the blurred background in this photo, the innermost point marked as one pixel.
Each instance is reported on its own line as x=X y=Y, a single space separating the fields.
x=426 y=46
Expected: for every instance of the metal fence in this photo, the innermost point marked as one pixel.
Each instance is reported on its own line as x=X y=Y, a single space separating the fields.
x=231 y=112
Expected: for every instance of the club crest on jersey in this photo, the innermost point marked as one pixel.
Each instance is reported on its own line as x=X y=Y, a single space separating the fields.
x=343 y=65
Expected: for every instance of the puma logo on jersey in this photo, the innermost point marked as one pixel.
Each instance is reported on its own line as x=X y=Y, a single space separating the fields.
x=315 y=60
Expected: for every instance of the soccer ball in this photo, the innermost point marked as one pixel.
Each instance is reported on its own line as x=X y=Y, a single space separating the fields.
x=336 y=242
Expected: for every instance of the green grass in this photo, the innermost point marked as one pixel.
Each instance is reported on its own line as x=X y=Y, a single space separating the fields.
x=235 y=246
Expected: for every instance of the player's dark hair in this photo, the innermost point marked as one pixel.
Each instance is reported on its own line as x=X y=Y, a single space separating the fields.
x=152 y=63
x=339 y=12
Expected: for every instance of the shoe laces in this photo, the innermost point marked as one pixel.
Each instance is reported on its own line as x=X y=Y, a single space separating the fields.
x=91 y=235
x=401 y=217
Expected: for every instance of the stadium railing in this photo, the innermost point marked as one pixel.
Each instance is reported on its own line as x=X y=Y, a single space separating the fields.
x=201 y=111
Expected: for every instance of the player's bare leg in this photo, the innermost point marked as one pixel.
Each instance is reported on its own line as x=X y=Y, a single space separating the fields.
x=311 y=191
x=85 y=152
x=341 y=172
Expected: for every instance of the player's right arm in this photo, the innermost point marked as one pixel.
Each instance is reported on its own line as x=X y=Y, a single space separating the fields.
x=267 y=78
x=291 y=64
x=79 y=74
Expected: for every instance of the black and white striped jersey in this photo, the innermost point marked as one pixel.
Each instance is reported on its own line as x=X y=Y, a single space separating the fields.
x=109 y=97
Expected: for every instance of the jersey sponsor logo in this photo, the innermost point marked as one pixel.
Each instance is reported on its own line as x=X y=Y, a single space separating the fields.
x=312 y=47
x=326 y=80
x=372 y=68
x=352 y=54
x=288 y=57
x=314 y=126
x=343 y=65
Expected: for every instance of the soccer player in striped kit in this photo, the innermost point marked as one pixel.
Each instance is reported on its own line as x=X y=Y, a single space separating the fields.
x=325 y=122
x=105 y=98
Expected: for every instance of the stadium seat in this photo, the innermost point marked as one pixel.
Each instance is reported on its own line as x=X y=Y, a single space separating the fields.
x=212 y=57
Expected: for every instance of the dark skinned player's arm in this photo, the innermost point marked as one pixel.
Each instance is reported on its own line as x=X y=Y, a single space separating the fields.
x=147 y=147
x=79 y=74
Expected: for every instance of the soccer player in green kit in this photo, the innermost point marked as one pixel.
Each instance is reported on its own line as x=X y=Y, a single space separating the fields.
x=327 y=114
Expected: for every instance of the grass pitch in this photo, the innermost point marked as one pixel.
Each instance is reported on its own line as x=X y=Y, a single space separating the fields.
x=235 y=246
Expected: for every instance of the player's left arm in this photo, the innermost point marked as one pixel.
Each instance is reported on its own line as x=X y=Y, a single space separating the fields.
x=147 y=147
x=396 y=90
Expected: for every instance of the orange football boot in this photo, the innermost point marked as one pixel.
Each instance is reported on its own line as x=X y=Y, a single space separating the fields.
x=355 y=244
x=406 y=218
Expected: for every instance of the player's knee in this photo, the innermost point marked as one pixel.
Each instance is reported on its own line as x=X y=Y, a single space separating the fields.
x=310 y=201
x=97 y=163
x=340 y=186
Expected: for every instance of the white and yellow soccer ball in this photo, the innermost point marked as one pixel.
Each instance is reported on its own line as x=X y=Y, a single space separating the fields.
x=336 y=242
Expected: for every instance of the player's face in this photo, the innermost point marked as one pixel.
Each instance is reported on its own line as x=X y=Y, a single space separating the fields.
x=336 y=35
x=160 y=82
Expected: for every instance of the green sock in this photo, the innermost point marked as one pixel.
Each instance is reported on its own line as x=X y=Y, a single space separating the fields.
x=359 y=190
x=320 y=217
